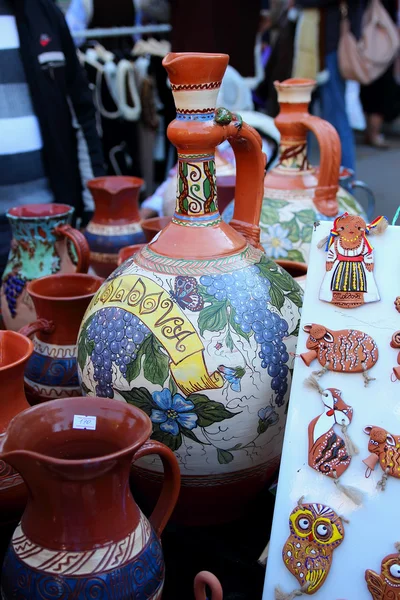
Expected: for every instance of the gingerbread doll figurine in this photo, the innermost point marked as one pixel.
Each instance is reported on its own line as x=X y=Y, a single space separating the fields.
x=349 y=279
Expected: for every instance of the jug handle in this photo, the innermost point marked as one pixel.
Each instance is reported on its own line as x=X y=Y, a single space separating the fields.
x=206 y=578
x=250 y=170
x=171 y=486
x=330 y=152
x=80 y=243
x=40 y=325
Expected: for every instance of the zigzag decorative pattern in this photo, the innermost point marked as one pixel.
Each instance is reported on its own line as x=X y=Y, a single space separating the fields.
x=213 y=85
x=171 y=266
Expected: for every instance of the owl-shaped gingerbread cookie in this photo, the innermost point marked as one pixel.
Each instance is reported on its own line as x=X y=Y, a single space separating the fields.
x=386 y=585
x=315 y=532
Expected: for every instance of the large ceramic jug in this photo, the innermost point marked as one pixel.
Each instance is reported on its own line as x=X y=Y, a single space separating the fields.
x=116 y=220
x=82 y=535
x=60 y=302
x=197 y=328
x=44 y=243
x=296 y=194
x=15 y=351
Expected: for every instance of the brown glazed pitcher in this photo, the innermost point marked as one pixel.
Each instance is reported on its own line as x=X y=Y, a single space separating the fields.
x=15 y=350
x=60 y=302
x=82 y=534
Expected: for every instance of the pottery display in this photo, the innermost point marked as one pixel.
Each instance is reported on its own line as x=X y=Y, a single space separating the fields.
x=116 y=220
x=15 y=350
x=44 y=243
x=201 y=325
x=82 y=535
x=60 y=302
x=296 y=194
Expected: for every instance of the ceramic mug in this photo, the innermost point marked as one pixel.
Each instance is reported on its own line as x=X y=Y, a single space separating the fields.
x=60 y=302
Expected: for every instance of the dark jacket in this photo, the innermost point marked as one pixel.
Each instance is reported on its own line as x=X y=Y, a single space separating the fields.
x=330 y=20
x=61 y=99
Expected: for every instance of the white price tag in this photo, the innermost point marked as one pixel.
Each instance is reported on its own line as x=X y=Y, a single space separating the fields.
x=84 y=422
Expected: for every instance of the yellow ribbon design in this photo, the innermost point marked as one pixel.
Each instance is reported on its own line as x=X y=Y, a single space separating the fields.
x=154 y=306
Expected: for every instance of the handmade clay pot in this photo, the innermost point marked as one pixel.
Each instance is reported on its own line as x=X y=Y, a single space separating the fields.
x=116 y=220
x=15 y=350
x=44 y=243
x=296 y=194
x=127 y=252
x=201 y=325
x=82 y=534
x=154 y=225
x=60 y=302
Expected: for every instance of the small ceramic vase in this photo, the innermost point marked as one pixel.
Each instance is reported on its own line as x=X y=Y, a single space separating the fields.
x=296 y=194
x=201 y=326
x=15 y=350
x=60 y=302
x=116 y=220
x=44 y=243
x=82 y=535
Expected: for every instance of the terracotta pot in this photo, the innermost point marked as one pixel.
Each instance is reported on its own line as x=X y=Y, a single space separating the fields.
x=152 y=226
x=60 y=302
x=44 y=243
x=297 y=270
x=201 y=324
x=15 y=351
x=204 y=580
x=296 y=194
x=86 y=536
x=127 y=252
x=116 y=220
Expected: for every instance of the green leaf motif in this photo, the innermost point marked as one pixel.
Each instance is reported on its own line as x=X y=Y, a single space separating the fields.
x=139 y=397
x=236 y=327
x=306 y=233
x=269 y=215
x=224 y=457
x=262 y=426
x=294 y=230
x=85 y=348
x=277 y=203
x=172 y=441
x=185 y=168
x=209 y=411
x=206 y=188
x=296 y=298
x=172 y=386
x=186 y=204
x=306 y=216
x=277 y=296
x=155 y=362
x=229 y=341
x=213 y=317
x=85 y=389
x=296 y=255
x=191 y=436
x=295 y=331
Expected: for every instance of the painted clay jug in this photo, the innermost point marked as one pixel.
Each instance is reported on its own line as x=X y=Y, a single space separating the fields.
x=116 y=220
x=82 y=535
x=44 y=243
x=296 y=194
x=15 y=350
x=60 y=302
x=200 y=324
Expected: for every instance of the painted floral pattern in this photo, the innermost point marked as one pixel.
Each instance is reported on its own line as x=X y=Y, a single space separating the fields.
x=173 y=412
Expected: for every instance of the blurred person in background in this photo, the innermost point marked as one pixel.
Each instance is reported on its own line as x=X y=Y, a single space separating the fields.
x=331 y=91
x=49 y=145
x=381 y=98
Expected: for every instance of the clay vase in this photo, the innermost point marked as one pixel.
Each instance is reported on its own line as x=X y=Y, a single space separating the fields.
x=201 y=323
x=204 y=580
x=296 y=194
x=127 y=252
x=82 y=535
x=60 y=302
x=44 y=243
x=15 y=351
x=116 y=220
x=154 y=225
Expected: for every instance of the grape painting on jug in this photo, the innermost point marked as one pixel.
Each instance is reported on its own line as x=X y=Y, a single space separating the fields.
x=194 y=353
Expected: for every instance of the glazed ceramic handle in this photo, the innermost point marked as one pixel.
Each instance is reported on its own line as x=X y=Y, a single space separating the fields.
x=330 y=157
x=80 y=243
x=250 y=168
x=42 y=325
x=203 y=579
x=171 y=486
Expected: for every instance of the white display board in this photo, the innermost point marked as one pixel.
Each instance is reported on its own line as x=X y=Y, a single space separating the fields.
x=374 y=526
